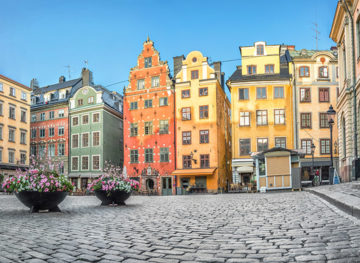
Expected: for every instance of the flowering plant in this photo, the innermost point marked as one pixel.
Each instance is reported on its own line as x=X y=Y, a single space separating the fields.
x=112 y=179
x=39 y=178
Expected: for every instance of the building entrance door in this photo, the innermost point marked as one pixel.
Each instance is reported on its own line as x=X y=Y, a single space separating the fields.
x=166 y=186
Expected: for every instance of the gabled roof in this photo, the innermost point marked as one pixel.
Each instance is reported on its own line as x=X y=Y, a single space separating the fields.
x=57 y=86
x=14 y=82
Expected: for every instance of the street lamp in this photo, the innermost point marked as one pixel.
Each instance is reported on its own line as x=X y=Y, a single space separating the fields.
x=312 y=155
x=331 y=114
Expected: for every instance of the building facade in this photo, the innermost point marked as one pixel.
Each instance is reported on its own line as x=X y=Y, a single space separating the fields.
x=262 y=106
x=14 y=126
x=345 y=31
x=203 y=136
x=49 y=132
x=149 y=140
x=316 y=86
x=96 y=132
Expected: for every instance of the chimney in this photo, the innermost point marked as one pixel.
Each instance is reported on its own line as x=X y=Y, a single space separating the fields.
x=217 y=68
x=291 y=47
x=334 y=48
x=178 y=64
x=34 y=84
x=61 y=79
x=87 y=78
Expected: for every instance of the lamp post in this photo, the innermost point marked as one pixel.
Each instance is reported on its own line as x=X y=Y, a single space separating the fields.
x=312 y=155
x=331 y=114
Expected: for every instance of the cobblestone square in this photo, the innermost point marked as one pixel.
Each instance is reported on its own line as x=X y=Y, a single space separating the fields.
x=272 y=227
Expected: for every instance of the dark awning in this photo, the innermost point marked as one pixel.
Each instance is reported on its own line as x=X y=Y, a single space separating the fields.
x=316 y=163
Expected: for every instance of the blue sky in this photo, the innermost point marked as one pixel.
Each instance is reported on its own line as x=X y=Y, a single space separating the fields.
x=39 y=38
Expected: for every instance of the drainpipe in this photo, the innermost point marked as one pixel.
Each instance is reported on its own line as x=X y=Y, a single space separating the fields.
x=343 y=3
x=295 y=115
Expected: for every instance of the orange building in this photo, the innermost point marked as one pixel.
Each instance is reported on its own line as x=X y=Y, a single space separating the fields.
x=149 y=134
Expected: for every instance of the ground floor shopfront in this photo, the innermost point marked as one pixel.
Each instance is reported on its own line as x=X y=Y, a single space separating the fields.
x=321 y=167
x=8 y=170
x=81 y=180
x=242 y=171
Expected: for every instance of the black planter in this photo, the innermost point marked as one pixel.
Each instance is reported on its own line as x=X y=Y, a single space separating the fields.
x=41 y=200
x=113 y=197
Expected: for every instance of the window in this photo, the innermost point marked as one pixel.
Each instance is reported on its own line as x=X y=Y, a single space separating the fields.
x=22 y=158
x=164 y=155
x=203 y=91
x=194 y=74
x=305 y=95
x=186 y=114
x=163 y=101
x=90 y=100
x=133 y=105
x=51 y=150
x=11 y=156
x=204 y=136
x=140 y=84
x=245 y=147
x=148 y=104
x=185 y=93
x=75 y=121
x=244 y=94
x=186 y=161
x=80 y=102
x=251 y=70
x=42 y=116
x=11 y=135
x=51 y=132
x=42 y=132
x=279 y=116
x=33 y=117
x=269 y=69
x=84 y=162
x=149 y=155
x=1 y=132
x=133 y=129
x=304 y=71
x=324 y=95
x=148 y=62
x=280 y=142
x=324 y=123
x=204 y=160
x=164 y=127
x=148 y=128
x=186 y=137
x=61 y=149
x=23 y=116
x=244 y=118
x=61 y=131
x=33 y=150
x=155 y=82
x=85 y=140
x=305 y=120
x=323 y=72
x=260 y=50
x=204 y=112
x=75 y=141
x=42 y=151
x=51 y=115
x=1 y=108
x=96 y=162
x=96 y=138
x=261 y=117
x=85 y=119
x=306 y=145
x=96 y=117
x=134 y=156
x=23 y=95
x=262 y=144
x=12 y=112
x=23 y=137
x=324 y=146
x=61 y=113
x=12 y=91
x=261 y=93
x=1 y=87
x=278 y=92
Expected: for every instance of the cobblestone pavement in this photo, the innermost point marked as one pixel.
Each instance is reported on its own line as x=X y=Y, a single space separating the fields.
x=272 y=227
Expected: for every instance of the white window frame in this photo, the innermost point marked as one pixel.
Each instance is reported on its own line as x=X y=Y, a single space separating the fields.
x=92 y=138
x=23 y=95
x=61 y=128
x=49 y=150
x=88 y=133
x=61 y=113
x=92 y=117
x=245 y=117
x=72 y=120
x=277 y=119
x=21 y=133
x=58 y=148
x=11 y=151
x=153 y=81
x=72 y=161
x=92 y=162
x=42 y=114
x=82 y=162
x=72 y=145
x=82 y=120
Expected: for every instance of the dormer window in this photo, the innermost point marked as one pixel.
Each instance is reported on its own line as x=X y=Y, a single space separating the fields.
x=33 y=100
x=260 y=50
x=148 y=62
x=52 y=96
x=251 y=69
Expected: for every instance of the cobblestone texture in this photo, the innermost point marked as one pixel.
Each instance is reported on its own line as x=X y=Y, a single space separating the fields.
x=272 y=227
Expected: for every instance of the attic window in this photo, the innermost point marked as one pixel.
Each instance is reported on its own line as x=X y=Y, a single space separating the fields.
x=194 y=59
x=260 y=50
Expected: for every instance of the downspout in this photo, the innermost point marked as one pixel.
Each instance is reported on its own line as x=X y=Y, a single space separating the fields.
x=295 y=115
x=343 y=2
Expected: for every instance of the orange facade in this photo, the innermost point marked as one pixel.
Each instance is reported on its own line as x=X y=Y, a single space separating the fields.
x=149 y=134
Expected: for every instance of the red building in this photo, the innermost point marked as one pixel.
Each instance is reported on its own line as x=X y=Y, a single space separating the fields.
x=149 y=134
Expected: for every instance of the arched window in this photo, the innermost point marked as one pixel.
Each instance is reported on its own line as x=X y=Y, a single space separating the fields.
x=343 y=124
x=304 y=71
x=260 y=49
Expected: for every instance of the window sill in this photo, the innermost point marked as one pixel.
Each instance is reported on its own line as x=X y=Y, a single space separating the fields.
x=323 y=79
x=306 y=128
x=324 y=101
x=305 y=101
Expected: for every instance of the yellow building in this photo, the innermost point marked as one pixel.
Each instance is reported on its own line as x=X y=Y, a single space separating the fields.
x=262 y=106
x=203 y=140
x=316 y=84
x=14 y=126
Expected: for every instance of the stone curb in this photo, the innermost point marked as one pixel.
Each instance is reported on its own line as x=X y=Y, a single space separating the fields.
x=349 y=209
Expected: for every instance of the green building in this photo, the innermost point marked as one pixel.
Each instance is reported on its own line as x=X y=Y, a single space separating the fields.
x=96 y=130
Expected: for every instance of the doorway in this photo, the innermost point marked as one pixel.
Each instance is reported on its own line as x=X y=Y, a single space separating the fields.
x=166 y=186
